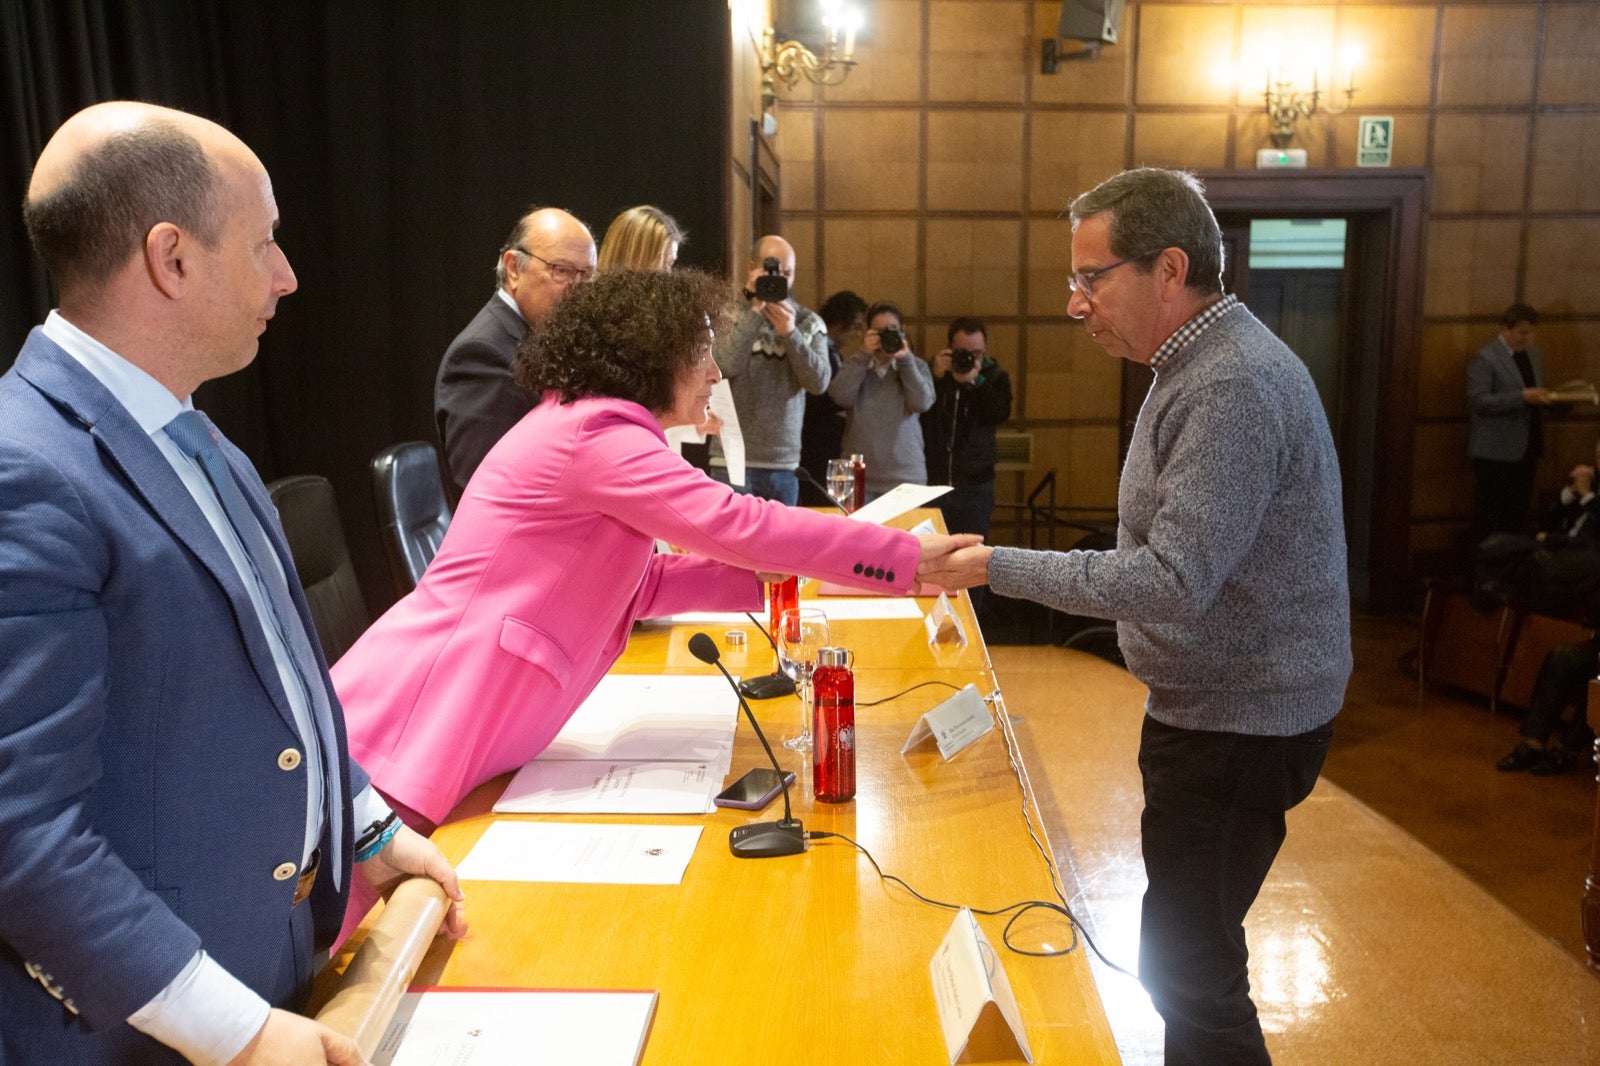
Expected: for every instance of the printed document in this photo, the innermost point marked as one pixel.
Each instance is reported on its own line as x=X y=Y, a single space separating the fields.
x=589 y=786
x=447 y=1027
x=578 y=852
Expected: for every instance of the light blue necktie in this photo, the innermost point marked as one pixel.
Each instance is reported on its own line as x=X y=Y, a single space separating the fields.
x=197 y=439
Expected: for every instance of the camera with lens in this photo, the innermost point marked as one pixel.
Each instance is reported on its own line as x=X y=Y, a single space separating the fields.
x=772 y=287
x=962 y=360
x=891 y=339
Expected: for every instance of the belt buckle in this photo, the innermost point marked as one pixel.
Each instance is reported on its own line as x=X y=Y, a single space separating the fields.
x=302 y=887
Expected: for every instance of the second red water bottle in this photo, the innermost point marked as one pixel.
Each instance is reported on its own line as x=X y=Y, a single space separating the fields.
x=833 y=729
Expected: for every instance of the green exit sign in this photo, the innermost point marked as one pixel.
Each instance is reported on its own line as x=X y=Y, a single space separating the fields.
x=1375 y=142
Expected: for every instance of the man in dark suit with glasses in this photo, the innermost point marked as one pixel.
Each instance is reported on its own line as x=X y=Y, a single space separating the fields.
x=474 y=399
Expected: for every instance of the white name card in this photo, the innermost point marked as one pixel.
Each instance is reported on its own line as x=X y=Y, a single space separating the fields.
x=943 y=625
x=977 y=1011
x=953 y=724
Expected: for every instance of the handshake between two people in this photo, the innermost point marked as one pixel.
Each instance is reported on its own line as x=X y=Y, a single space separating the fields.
x=953 y=561
x=947 y=561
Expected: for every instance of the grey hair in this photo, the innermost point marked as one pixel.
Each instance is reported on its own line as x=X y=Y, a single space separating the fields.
x=86 y=228
x=513 y=243
x=1151 y=209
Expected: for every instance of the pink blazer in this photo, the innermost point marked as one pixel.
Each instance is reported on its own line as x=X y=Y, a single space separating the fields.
x=547 y=563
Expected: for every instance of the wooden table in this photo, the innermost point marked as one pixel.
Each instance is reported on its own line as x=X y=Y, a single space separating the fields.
x=807 y=958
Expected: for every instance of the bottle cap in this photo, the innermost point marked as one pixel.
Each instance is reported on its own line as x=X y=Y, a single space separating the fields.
x=734 y=638
x=833 y=657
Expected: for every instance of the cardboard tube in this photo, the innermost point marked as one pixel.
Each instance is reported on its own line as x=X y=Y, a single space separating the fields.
x=371 y=987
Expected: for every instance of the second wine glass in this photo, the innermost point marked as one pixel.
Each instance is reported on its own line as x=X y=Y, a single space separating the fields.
x=842 y=483
x=802 y=632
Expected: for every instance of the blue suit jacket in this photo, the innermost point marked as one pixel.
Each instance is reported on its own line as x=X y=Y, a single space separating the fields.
x=142 y=807
x=1499 y=422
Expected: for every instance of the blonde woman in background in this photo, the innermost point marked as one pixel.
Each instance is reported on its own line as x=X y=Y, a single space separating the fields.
x=641 y=238
x=647 y=238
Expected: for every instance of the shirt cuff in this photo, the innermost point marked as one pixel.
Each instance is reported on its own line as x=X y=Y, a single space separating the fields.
x=205 y=1014
x=368 y=807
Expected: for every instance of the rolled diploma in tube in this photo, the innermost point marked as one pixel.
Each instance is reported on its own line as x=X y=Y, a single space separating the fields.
x=370 y=989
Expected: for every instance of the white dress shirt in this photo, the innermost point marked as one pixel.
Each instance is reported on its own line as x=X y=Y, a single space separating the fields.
x=205 y=1012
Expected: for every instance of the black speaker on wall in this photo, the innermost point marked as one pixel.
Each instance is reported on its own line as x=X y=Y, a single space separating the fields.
x=1090 y=20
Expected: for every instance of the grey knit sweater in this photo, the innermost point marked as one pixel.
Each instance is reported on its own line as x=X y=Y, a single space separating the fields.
x=882 y=423
x=1228 y=580
x=769 y=377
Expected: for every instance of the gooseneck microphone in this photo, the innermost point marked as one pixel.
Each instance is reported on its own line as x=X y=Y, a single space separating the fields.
x=760 y=840
x=805 y=475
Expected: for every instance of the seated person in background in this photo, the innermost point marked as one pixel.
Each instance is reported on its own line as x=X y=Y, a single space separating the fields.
x=1558 y=572
x=822 y=433
x=1573 y=520
x=550 y=557
x=1563 y=682
x=972 y=396
x=641 y=238
x=885 y=386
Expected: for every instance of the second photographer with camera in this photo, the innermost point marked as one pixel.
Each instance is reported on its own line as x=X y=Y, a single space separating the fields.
x=972 y=397
x=776 y=352
x=885 y=386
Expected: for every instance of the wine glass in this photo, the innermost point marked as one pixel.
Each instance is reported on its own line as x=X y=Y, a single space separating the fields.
x=802 y=632
x=842 y=483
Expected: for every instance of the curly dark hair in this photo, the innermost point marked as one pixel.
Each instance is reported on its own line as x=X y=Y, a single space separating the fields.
x=628 y=335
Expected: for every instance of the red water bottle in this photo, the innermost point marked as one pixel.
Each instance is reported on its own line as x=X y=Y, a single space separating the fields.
x=781 y=596
x=858 y=464
x=833 y=727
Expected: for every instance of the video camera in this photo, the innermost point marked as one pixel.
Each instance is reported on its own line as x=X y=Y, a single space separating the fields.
x=772 y=287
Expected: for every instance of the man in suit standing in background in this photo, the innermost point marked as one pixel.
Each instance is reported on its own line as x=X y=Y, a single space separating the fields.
x=178 y=812
x=474 y=399
x=1505 y=437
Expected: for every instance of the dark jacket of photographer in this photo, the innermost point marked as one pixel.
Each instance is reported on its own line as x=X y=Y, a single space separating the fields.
x=958 y=430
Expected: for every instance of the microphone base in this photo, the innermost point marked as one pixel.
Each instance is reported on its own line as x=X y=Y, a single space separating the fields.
x=766 y=840
x=767 y=686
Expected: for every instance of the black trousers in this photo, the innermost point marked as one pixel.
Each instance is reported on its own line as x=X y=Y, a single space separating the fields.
x=1562 y=682
x=1211 y=828
x=1502 y=498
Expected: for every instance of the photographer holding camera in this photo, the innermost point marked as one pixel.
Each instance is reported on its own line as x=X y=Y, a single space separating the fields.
x=972 y=396
x=885 y=386
x=776 y=352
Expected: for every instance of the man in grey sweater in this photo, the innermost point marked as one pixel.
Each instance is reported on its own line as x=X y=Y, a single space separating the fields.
x=1228 y=584
x=776 y=352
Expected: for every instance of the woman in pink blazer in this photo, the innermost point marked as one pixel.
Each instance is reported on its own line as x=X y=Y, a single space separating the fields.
x=550 y=557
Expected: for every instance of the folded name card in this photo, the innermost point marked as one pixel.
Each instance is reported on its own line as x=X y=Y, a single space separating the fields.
x=977 y=1009
x=954 y=724
x=944 y=626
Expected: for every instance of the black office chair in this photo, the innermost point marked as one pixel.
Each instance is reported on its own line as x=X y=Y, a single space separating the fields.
x=413 y=513
x=322 y=561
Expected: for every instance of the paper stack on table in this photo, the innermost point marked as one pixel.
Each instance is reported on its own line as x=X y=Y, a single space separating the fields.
x=640 y=744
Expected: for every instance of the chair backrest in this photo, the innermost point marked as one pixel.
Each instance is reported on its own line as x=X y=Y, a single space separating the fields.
x=310 y=520
x=413 y=513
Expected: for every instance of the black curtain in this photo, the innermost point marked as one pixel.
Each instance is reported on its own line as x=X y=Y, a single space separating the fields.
x=403 y=140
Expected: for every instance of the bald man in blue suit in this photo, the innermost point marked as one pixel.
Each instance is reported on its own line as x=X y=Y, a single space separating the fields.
x=179 y=817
